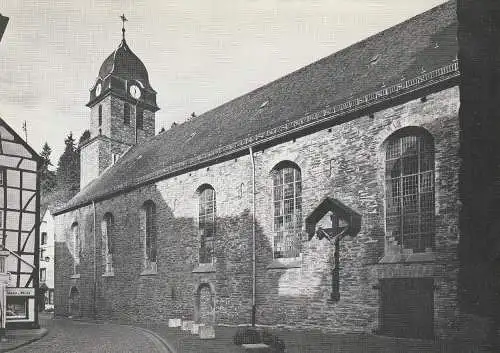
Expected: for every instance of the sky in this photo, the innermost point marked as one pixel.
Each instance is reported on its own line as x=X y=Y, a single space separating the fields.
x=199 y=53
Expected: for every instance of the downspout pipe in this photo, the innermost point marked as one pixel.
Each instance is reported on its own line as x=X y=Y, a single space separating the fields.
x=254 y=309
x=94 y=308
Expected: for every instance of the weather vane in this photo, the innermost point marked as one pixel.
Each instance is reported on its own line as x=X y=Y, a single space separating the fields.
x=124 y=19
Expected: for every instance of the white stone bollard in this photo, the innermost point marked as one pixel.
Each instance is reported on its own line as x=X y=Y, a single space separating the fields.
x=206 y=332
x=174 y=323
x=196 y=328
x=187 y=325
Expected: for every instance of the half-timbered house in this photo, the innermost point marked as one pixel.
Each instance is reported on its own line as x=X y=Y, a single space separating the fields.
x=19 y=224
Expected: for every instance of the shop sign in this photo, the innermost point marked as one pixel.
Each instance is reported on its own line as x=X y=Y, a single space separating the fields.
x=21 y=292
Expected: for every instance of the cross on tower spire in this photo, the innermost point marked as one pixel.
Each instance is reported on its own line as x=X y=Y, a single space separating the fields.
x=124 y=19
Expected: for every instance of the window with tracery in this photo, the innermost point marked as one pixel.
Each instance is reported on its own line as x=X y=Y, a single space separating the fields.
x=287 y=205
x=107 y=242
x=150 y=244
x=139 y=118
x=206 y=223
x=409 y=164
x=126 y=114
x=77 y=248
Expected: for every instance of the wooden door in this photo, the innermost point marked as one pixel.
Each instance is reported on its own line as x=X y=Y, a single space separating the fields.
x=206 y=305
x=74 y=302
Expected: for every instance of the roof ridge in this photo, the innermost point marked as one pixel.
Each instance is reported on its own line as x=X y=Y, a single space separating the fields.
x=333 y=55
x=348 y=106
x=318 y=93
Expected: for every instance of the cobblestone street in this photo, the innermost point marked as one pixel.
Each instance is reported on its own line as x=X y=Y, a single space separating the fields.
x=67 y=336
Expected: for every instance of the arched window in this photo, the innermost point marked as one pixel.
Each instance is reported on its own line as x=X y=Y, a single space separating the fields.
x=107 y=226
x=126 y=114
x=77 y=248
x=206 y=222
x=139 y=118
x=287 y=205
x=409 y=175
x=150 y=236
x=240 y=190
x=100 y=115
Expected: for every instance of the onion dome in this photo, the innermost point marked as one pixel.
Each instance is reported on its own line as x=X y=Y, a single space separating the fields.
x=121 y=72
x=123 y=63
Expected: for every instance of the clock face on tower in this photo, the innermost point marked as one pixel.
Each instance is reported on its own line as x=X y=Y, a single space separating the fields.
x=135 y=91
x=98 y=90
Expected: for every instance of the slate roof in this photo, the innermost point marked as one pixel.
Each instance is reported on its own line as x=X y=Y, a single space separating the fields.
x=123 y=63
x=421 y=44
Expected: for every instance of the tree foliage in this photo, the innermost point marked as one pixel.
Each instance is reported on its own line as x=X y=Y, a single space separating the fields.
x=68 y=168
x=47 y=176
x=85 y=137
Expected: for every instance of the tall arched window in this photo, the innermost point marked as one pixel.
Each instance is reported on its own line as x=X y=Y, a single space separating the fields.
x=409 y=165
x=107 y=226
x=206 y=222
x=126 y=114
x=150 y=235
x=77 y=248
x=139 y=118
x=287 y=205
x=100 y=115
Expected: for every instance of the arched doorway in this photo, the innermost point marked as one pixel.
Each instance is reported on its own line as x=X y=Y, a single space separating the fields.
x=205 y=304
x=74 y=302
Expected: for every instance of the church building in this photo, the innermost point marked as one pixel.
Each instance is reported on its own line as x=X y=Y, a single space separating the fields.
x=325 y=199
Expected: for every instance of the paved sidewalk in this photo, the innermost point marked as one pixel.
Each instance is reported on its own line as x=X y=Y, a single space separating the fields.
x=296 y=341
x=311 y=342
x=19 y=338
x=185 y=342
x=89 y=336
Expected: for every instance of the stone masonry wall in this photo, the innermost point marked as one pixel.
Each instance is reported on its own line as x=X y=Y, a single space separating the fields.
x=106 y=118
x=126 y=133
x=89 y=163
x=344 y=162
x=96 y=156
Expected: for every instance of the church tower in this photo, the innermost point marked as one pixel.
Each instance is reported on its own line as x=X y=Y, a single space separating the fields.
x=122 y=111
